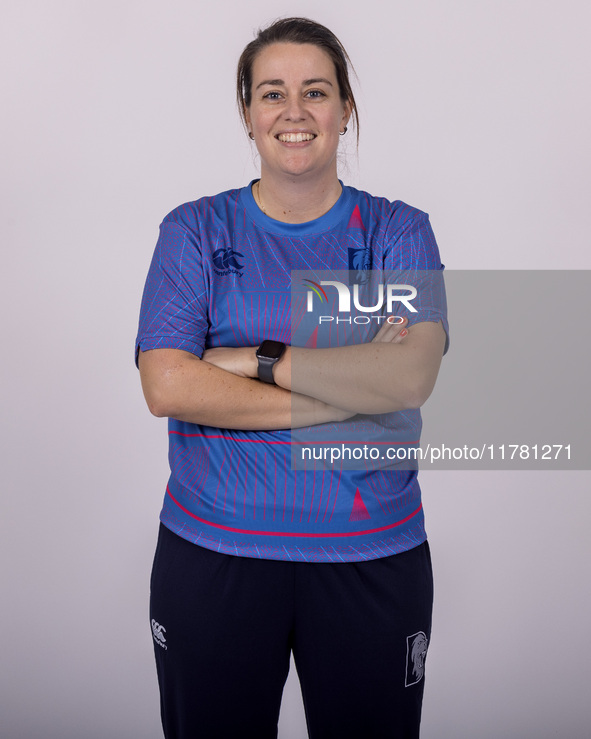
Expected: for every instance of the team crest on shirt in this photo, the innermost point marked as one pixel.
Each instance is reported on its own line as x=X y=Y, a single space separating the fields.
x=226 y=262
x=360 y=263
x=416 y=651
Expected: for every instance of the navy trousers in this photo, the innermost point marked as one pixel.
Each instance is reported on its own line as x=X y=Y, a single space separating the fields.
x=224 y=628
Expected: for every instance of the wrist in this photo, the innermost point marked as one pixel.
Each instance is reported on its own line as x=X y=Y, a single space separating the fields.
x=268 y=354
x=253 y=363
x=282 y=370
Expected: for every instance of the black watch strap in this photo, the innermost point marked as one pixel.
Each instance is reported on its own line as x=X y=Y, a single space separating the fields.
x=268 y=354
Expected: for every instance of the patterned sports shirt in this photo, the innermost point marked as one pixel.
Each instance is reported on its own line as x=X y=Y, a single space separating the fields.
x=221 y=275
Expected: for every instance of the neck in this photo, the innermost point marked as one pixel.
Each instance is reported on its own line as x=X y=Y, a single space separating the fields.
x=296 y=200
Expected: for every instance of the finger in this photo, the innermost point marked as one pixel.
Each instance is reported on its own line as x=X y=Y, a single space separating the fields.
x=390 y=329
x=398 y=339
x=391 y=326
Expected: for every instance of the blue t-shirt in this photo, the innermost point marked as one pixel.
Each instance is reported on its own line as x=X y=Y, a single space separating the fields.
x=221 y=275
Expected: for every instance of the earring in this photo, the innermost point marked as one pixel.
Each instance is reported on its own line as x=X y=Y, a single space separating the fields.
x=342 y=133
x=250 y=135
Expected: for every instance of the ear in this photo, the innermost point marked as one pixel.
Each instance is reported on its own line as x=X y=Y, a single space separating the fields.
x=247 y=117
x=348 y=109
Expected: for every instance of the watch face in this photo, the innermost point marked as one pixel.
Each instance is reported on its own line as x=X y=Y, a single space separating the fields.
x=271 y=349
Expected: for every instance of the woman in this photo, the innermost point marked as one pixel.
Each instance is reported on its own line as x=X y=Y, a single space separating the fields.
x=255 y=559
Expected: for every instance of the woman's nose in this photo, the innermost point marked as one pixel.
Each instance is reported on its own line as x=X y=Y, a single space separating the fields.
x=294 y=110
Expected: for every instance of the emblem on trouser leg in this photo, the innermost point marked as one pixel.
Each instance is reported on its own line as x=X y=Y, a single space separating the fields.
x=416 y=652
x=158 y=632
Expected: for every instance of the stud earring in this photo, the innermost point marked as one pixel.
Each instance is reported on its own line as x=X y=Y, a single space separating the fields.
x=342 y=133
x=250 y=135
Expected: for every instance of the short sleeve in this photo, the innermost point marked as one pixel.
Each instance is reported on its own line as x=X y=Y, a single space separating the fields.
x=414 y=255
x=174 y=305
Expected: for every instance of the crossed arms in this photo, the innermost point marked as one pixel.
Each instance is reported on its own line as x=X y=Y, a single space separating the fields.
x=395 y=371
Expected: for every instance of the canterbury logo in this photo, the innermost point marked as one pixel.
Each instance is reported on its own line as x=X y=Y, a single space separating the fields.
x=158 y=632
x=226 y=261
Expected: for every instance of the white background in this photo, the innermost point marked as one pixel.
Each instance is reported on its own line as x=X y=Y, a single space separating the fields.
x=112 y=114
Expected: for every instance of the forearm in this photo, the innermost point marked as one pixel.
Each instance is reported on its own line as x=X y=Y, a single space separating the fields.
x=177 y=384
x=395 y=371
x=368 y=378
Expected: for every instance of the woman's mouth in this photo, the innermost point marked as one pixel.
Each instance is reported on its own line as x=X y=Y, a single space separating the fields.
x=295 y=138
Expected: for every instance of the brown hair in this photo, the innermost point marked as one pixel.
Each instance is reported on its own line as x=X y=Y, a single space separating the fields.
x=295 y=31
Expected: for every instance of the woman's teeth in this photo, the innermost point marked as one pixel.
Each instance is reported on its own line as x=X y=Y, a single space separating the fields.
x=295 y=138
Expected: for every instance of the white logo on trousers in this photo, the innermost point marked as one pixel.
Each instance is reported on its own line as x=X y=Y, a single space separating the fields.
x=416 y=651
x=158 y=632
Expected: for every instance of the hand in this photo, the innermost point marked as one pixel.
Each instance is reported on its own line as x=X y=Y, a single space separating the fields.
x=392 y=331
x=240 y=361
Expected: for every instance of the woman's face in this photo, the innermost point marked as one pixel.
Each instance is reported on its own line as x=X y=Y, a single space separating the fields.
x=296 y=111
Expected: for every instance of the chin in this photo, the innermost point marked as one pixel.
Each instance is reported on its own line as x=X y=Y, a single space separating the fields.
x=297 y=169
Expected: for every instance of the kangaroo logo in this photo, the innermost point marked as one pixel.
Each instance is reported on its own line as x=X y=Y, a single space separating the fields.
x=225 y=260
x=158 y=632
x=416 y=651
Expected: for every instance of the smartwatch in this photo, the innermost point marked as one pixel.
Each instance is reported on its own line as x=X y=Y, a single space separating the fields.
x=268 y=354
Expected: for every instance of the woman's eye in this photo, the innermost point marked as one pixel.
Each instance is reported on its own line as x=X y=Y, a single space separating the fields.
x=272 y=96
x=315 y=93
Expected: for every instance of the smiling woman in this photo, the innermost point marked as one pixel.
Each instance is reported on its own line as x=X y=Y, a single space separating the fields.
x=256 y=559
x=295 y=117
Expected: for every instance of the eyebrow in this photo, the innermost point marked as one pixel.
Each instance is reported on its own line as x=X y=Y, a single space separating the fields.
x=277 y=83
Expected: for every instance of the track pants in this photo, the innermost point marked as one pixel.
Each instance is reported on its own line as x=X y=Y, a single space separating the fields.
x=224 y=627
